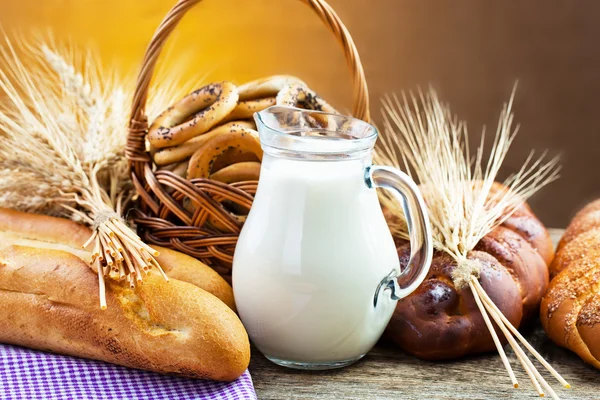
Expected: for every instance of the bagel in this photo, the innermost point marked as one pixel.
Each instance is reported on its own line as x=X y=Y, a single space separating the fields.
x=246 y=109
x=168 y=167
x=300 y=96
x=238 y=172
x=185 y=150
x=203 y=160
x=234 y=156
x=193 y=115
x=180 y=169
x=266 y=87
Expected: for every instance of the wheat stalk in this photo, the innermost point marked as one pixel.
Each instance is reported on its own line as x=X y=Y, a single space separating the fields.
x=422 y=137
x=63 y=127
x=432 y=145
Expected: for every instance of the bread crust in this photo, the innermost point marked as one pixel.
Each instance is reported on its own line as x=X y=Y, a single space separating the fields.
x=38 y=231
x=188 y=269
x=570 y=310
x=437 y=321
x=49 y=301
x=43 y=228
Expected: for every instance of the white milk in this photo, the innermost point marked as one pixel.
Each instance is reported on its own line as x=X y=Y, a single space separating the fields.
x=309 y=260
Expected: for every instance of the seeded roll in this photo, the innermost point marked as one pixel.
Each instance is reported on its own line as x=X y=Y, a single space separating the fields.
x=570 y=311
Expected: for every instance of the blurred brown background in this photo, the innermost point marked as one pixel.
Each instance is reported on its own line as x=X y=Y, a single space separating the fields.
x=472 y=51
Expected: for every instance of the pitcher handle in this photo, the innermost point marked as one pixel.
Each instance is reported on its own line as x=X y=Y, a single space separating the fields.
x=405 y=190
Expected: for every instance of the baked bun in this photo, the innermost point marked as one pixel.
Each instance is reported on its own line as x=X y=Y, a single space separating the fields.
x=570 y=310
x=438 y=321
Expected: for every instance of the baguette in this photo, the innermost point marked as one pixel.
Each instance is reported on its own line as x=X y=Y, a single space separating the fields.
x=49 y=301
x=185 y=268
x=42 y=231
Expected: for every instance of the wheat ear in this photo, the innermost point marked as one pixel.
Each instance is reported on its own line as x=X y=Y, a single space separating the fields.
x=63 y=128
x=421 y=133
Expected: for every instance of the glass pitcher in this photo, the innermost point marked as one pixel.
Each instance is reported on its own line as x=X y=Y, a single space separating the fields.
x=316 y=275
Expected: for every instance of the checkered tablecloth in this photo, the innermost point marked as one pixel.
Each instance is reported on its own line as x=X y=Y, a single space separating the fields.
x=29 y=375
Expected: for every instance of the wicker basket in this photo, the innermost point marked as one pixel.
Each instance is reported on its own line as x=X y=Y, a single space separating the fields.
x=160 y=216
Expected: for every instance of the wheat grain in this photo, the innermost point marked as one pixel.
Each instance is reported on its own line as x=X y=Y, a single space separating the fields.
x=63 y=128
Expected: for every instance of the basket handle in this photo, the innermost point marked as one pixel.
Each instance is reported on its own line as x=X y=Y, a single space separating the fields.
x=138 y=122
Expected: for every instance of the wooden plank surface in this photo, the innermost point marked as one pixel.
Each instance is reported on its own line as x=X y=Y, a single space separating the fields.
x=388 y=373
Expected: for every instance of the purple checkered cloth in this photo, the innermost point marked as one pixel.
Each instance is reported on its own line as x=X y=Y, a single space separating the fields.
x=28 y=374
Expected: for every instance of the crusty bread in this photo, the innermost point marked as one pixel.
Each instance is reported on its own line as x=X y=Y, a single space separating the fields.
x=49 y=301
x=570 y=310
x=188 y=269
x=439 y=321
x=43 y=228
x=42 y=231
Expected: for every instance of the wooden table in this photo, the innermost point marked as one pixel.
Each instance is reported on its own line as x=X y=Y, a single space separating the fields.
x=388 y=373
